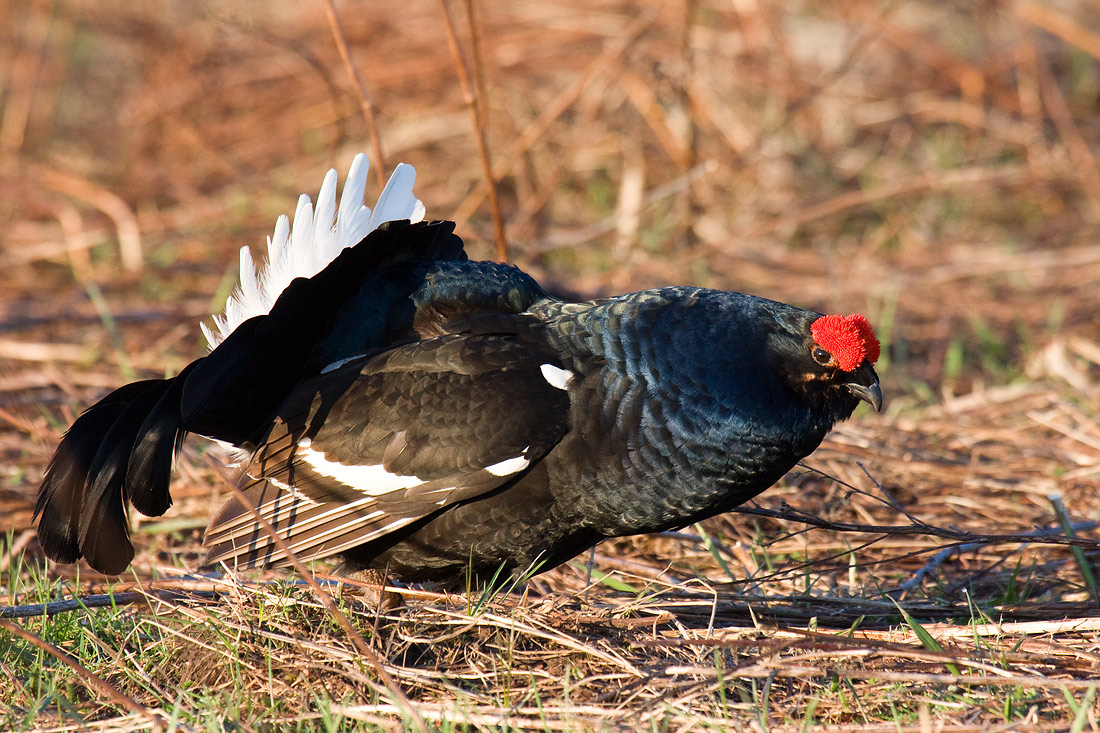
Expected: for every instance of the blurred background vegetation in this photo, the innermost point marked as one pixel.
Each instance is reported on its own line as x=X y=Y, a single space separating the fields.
x=933 y=164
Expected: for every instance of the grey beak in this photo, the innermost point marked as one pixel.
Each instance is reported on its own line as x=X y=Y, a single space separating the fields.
x=871 y=394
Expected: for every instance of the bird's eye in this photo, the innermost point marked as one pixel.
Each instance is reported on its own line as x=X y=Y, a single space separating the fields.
x=821 y=356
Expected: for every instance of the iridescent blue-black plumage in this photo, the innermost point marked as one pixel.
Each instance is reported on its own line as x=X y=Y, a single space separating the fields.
x=416 y=411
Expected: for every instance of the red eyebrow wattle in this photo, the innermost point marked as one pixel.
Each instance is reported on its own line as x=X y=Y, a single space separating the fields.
x=849 y=338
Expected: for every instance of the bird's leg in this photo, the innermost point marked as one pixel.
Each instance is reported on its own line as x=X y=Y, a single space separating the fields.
x=369 y=584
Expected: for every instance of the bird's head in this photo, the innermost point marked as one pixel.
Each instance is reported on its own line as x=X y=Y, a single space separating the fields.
x=842 y=351
x=829 y=359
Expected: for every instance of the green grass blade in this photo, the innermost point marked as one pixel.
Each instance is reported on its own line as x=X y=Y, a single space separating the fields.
x=926 y=639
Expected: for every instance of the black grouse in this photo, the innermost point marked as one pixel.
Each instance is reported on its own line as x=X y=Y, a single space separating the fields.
x=393 y=402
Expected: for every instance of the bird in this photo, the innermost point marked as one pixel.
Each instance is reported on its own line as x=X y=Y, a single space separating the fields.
x=394 y=403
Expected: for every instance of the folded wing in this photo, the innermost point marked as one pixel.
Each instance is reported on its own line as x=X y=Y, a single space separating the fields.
x=380 y=442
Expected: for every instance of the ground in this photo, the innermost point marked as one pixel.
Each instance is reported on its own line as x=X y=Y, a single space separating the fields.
x=933 y=165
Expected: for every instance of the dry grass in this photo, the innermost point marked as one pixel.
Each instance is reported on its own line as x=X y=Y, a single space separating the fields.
x=934 y=165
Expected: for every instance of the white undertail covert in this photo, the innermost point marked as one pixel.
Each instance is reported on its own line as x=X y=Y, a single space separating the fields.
x=315 y=239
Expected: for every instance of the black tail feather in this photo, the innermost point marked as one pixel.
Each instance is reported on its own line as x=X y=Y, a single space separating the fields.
x=156 y=444
x=63 y=498
x=122 y=448
x=104 y=529
x=233 y=393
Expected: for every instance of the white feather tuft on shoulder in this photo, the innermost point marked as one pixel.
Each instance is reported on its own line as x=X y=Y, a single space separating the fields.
x=315 y=240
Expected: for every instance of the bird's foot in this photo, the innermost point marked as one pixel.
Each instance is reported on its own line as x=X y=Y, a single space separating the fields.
x=369 y=586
